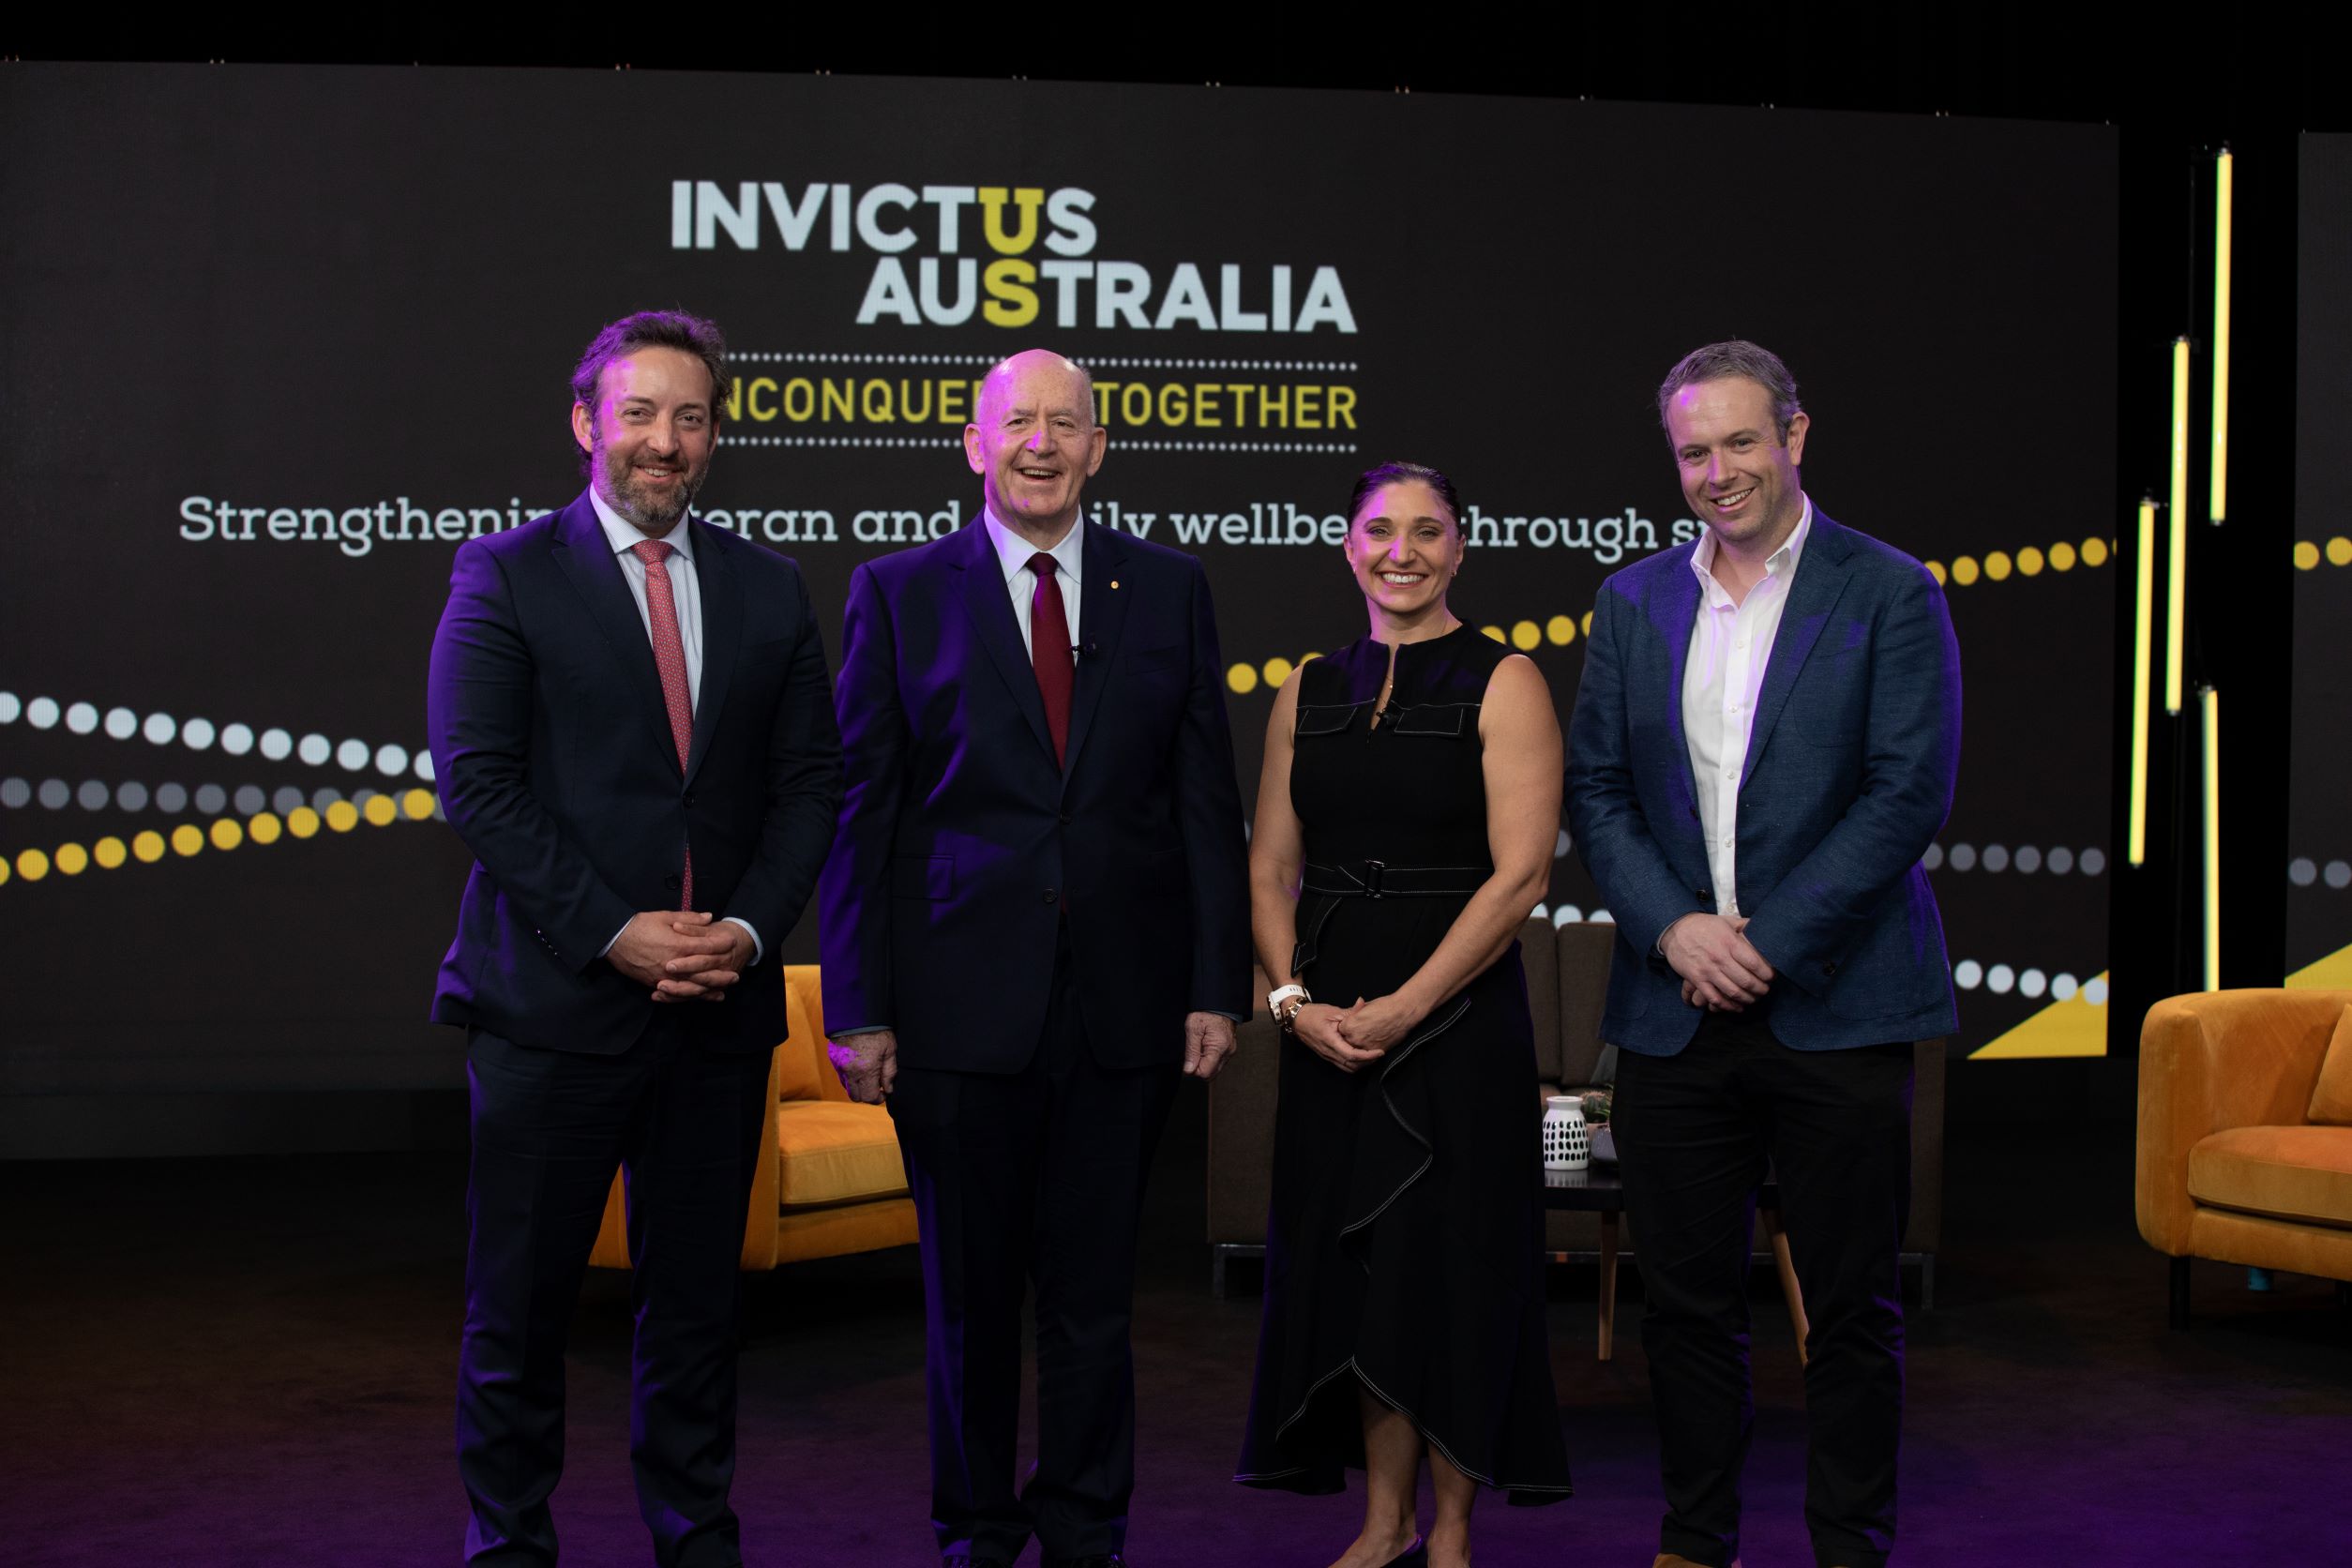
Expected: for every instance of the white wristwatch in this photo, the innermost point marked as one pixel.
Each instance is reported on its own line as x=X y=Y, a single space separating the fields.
x=1280 y=994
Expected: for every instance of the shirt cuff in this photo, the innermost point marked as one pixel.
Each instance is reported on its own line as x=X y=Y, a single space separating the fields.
x=758 y=948
x=606 y=950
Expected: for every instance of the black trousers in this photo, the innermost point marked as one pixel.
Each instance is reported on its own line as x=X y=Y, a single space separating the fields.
x=1034 y=1176
x=1696 y=1133
x=549 y=1128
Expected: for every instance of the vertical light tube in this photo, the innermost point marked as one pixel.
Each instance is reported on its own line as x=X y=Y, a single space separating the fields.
x=2143 y=635
x=2217 y=507
x=2211 y=701
x=2177 y=527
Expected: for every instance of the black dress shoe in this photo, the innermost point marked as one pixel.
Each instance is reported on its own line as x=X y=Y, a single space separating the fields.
x=1414 y=1555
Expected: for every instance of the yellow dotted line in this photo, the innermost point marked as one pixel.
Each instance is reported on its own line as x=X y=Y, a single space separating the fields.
x=2029 y=562
x=1997 y=566
x=2338 y=551
x=225 y=833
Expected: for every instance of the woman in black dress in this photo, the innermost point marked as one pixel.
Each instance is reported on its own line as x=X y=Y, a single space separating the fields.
x=1406 y=819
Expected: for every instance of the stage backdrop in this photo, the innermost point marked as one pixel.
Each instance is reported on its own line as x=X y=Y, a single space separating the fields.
x=2319 y=839
x=275 y=341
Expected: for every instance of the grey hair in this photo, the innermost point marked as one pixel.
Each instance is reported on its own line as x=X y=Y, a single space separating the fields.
x=1736 y=357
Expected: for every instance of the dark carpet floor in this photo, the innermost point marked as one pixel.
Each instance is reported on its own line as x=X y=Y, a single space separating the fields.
x=250 y=1362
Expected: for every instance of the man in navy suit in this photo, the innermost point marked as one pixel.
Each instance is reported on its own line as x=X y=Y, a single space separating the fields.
x=631 y=731
x=1034 y=915
x=1763 y=747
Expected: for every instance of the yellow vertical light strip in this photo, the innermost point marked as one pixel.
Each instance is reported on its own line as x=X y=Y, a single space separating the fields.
x=2219 y=506
x=2177 y=562
x=2143 y=635
x=2210 y=701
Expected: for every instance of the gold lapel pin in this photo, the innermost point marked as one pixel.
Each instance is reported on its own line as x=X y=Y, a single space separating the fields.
x=1114 y=585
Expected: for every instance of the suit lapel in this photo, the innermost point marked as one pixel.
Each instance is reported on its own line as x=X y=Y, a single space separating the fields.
x=587 y=559
x=1822 y=571
x=722 y=634
x=1102 y=620
x=990 y=604
x=1674 y=609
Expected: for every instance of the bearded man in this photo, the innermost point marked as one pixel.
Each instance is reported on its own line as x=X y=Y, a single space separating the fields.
x=632 y=730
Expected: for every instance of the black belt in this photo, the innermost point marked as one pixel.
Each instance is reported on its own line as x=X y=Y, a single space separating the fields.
x=1377 y=878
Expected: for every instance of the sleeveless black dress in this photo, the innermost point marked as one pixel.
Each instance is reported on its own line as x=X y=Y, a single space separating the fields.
x=1403 y=1248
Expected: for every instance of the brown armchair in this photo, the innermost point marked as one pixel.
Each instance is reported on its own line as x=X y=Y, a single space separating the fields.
x=1567 y=980
x=2228 y=1168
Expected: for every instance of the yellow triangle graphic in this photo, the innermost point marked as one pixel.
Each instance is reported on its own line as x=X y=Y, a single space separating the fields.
x=2068 y=1028
x=2332 y=972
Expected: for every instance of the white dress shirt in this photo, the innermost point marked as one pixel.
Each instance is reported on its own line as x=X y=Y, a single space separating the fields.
x=686 y=596
x=1013 y=552
x=1731 y=646
x=685 y=590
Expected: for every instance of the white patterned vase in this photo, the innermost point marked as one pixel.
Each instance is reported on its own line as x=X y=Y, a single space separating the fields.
x=1567 y=1144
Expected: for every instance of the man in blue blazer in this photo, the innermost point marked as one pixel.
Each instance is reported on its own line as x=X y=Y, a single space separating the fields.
x=631 y=730
x=1036 y=913
x=1763 y=746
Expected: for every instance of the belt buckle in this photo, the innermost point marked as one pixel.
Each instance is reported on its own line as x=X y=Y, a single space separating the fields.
x=1372 y=872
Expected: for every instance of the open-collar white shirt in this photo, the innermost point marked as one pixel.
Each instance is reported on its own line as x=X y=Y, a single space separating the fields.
x=1731 y=647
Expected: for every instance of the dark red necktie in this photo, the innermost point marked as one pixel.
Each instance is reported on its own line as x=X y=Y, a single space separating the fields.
x=1049 y=650
x=661 y=607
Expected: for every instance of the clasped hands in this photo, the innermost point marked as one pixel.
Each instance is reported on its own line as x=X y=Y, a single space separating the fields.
x=1352 y=1038
x=1721 y=970
x=683 y=955
x=869 y=1062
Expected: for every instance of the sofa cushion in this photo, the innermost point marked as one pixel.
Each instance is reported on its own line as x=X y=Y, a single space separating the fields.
x=835 y=1151
x=2332 y=1096
x=2298 y=1173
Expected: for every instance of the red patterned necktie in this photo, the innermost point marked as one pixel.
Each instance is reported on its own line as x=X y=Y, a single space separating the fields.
x=670 y=658
x=1049 y=650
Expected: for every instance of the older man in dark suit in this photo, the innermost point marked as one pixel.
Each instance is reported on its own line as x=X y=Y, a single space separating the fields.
x=632 y=733
x=1763 y=747
x=1034 y=915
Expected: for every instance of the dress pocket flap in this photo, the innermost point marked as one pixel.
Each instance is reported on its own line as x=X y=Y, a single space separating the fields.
x=1434 y=718
x=1325 y=718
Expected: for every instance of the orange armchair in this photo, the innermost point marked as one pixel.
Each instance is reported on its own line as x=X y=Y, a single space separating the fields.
x=2228 y=1168
x=829 y=1179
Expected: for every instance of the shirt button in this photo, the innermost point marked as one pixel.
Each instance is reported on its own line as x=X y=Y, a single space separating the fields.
x=1049 y=895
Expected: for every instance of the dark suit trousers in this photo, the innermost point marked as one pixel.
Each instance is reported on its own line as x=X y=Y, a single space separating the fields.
x=549 y=1128
x=1031 y=1176
x=1696 y=1132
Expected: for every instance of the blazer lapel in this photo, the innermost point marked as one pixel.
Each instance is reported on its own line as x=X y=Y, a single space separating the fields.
x=990 y=604
x=587 y=559
x=1102 y=620
x=1822 y=572
x=722 y=634
x=1673 y=610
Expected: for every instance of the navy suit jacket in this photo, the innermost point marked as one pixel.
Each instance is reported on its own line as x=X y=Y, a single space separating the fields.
x=1848 y=778
x=962 y=845
x=552 y=752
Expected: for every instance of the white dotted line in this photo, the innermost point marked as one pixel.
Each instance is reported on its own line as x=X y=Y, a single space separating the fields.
x=2026 y=858
x=1131 y=444
x=2303 y=871
x=2032 y=983
x=199 y=734
x=774 y=356
x=839 y=441
x=788 y=357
